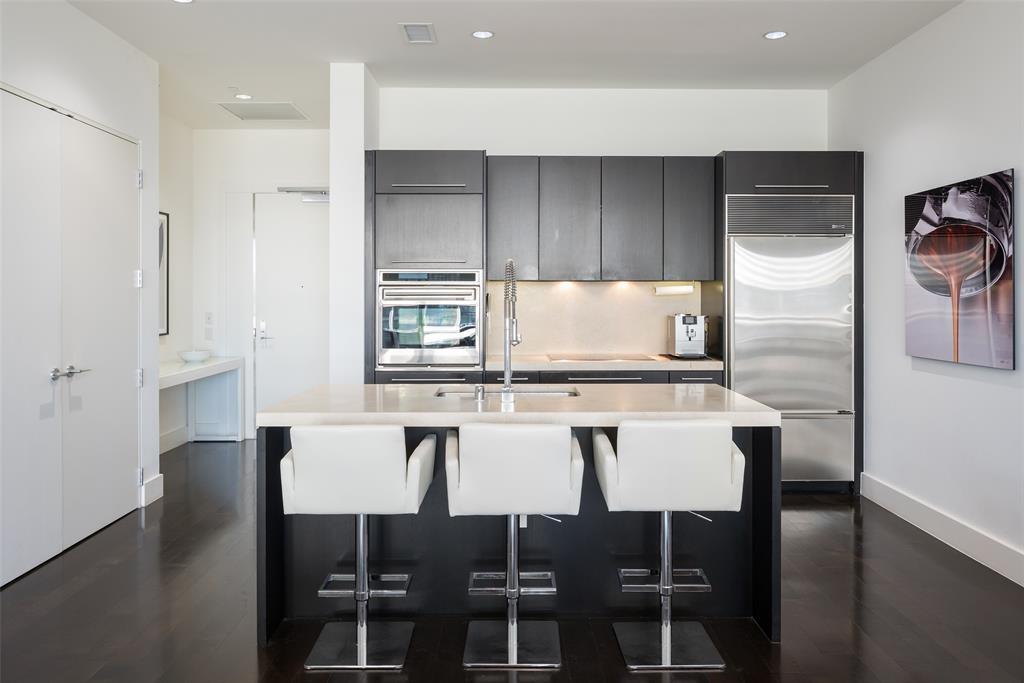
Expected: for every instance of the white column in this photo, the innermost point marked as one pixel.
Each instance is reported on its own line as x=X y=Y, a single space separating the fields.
x=353 y=131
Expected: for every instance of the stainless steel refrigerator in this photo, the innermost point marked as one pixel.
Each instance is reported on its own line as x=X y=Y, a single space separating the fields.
x=790 y=336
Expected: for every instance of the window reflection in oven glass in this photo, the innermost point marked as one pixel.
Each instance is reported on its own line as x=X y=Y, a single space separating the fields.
x=428 y=327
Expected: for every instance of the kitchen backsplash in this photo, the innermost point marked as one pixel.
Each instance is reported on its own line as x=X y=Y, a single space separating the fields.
x=595 y=317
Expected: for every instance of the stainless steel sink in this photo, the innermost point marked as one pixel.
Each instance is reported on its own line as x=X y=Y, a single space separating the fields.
x=469 y=392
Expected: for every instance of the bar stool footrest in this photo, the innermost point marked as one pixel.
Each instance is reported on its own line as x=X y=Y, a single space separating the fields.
x=381 y=586
x=649 y=581
x=530 y=583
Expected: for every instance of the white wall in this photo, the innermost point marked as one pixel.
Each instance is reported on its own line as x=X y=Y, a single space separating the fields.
x=54 y=52
x=229 y=166
x=176 y=200
x=944 y=443
x=354 y=101
x=602 y=122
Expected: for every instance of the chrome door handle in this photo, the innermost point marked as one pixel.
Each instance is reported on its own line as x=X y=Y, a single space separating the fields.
x=69 y=371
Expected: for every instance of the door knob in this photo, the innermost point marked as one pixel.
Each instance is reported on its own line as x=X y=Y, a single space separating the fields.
x=71 y=371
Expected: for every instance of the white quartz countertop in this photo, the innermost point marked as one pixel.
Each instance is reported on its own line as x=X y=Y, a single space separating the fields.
x=596 y=406
x=175 y=372
x=528 y=363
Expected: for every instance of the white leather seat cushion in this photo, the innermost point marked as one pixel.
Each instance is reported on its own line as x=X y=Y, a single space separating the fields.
x=349 y=470
x=670 y=465
x=504 y=469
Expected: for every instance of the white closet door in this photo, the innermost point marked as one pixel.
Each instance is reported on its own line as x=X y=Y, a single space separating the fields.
x=30 y=476
x=290 y=296
x=100 y=309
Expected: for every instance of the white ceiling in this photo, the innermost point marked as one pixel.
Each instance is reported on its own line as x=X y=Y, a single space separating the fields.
x=279 y=50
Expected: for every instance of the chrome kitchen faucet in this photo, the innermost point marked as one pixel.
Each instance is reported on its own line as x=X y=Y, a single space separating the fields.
x=512 y=337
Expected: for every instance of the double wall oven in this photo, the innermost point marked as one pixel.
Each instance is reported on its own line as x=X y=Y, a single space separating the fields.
x=429 y=319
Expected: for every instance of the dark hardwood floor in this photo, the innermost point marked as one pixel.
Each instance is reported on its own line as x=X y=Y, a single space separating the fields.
x=167 y=594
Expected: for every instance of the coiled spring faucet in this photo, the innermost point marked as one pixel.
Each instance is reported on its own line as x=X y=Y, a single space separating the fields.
x=512 y=337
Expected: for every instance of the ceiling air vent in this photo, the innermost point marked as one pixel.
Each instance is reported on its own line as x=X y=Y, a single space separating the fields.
x=264 y=111
x=418 y=34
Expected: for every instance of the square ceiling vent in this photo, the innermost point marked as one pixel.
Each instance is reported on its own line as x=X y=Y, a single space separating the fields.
x=418 y=33
x=264 y=111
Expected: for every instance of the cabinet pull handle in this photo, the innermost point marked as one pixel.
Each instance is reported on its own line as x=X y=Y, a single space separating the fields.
x=436 y=380
x=605 y=379
x=770 y=186
x=435 y=260
x=701 y=379
x=428 y=184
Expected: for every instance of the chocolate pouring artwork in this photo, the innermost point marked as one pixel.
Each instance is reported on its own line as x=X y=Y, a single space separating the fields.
x=959 y=277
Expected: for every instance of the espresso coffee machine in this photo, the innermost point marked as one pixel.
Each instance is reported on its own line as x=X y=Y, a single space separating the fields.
x=689 y=335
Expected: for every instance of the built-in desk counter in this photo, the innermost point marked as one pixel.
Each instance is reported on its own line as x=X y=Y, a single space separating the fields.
x=740 y=552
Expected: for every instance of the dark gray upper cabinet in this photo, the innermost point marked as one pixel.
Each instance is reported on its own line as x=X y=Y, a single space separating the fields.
x=631 y=218
x=570 y=218
x=429 y=172
x=429 y=230
x=689 y=218
x=790 y=172
x=512 y=205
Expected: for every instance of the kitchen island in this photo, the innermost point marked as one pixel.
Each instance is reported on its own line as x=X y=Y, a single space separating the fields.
x=740 y=552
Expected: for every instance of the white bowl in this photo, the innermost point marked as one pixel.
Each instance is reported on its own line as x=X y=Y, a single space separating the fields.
x=194 y=356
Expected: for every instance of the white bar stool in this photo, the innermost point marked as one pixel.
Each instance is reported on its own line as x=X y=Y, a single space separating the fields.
x=665 y=467
x=357 y=470
x=513 y=470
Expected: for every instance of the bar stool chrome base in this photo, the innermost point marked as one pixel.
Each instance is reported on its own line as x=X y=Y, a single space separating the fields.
x=647 y=647
x=344 y=645
x=337 y=648
x=668 y=644
x=512 y=644
x=537 y=646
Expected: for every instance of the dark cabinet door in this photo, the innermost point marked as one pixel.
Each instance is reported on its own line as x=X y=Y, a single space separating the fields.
x=631 y=218
x=570 y=218
x=600 y=377
x=435 y=231
x=518 y=377
x=790 y=172
x=697 y=377
x=429 y=172
x=512 y=205
x=424 y=377
x=689 y=218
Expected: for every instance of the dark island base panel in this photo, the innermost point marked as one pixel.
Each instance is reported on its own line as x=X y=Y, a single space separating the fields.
x=740 y=552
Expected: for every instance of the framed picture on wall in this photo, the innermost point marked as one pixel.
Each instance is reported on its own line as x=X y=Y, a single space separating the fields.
x=164 y=240
x=959 y=272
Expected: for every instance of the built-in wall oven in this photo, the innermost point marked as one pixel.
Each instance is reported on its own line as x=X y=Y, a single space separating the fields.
x=429 y=318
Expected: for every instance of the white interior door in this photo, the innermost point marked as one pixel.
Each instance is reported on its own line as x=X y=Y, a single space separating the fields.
x=100 y=312
x=30 y=462
x=290 y=296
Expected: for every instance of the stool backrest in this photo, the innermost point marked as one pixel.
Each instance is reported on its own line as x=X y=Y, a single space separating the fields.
x=343 y=469
x=676 y=465
x=514 y=468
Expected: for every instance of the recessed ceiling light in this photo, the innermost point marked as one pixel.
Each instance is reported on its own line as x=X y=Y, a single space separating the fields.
x=483 y=35
x=775 y=35
x=243 y=96
x=183 y=2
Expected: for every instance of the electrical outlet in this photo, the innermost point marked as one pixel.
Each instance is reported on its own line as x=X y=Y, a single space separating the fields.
x=209 y=318
x=209 y=334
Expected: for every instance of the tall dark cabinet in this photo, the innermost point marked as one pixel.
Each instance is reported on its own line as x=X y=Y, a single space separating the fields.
x=689 y=252
x=513 y=189
x=570 y=218
x=631 y=218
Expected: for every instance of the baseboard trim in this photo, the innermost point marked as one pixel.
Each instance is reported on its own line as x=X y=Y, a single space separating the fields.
x=173 y=438
x=152 y=489
x=996 y=554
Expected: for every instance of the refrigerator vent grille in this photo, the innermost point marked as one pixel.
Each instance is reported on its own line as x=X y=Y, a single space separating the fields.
x=788 y=214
